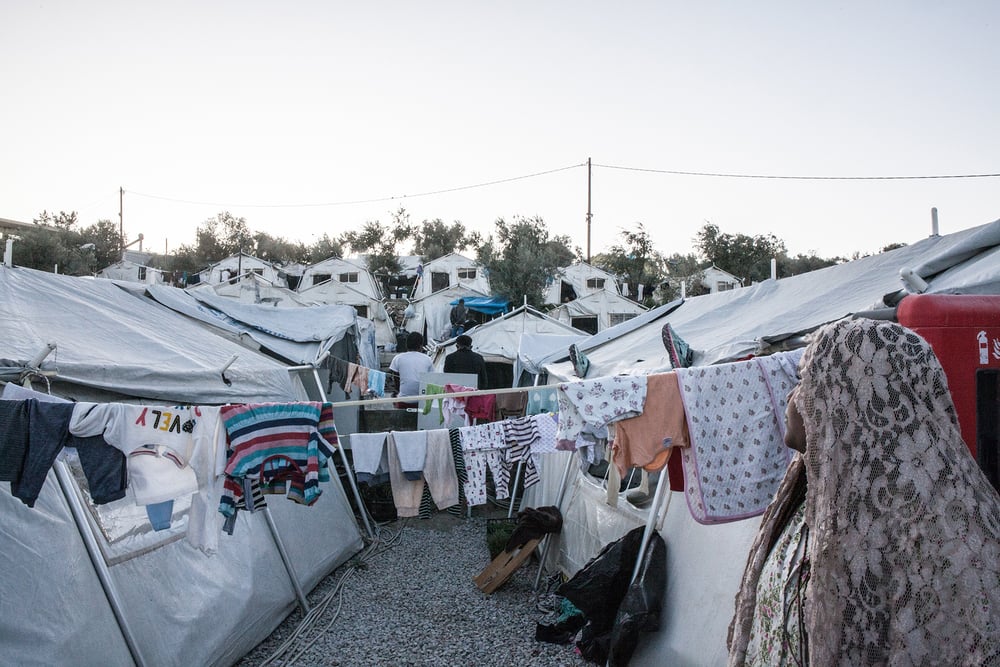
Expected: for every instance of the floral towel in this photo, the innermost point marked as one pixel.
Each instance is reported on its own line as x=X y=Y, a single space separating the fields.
x=737 y=456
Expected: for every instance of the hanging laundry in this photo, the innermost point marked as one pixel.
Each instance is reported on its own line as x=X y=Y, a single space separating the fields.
x=438 y=474
x=781 y=374
x=278 y=443
x=546 y=425
x=357 y=376
x=34 y=435
x=737 y=455
x=368 y=455
x=433 y=390
x=411 y=450
x=521 y=433
x=481 y=407
x=541 y=401
x=455 y=405
x=639 y=440
x=588 y=406
x=376 y=382
x=481 y=449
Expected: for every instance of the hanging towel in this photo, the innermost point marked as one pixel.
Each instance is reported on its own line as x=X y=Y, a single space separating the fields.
x=639 y=440
x=439 y=469
x=781 y=373
x=411 y=448
x=338 y=373
x=376 y=382
x=368 y=454
x=737 y=456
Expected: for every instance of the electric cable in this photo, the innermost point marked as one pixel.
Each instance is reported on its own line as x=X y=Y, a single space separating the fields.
x=793 y=178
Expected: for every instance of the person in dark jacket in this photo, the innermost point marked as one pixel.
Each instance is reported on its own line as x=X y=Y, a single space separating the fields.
x=464 y=360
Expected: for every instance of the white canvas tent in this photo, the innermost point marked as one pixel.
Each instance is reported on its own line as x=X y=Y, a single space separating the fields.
x=110 y=344
x=344 y=271
x=430 y=315
x=599 y=311
x=88 y=585
x=704 y=563
x=253 y=288
x=333 y=292
x=500 y=339
x=240 y=264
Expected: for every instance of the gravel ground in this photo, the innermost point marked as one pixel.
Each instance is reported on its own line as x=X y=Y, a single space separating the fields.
x=412 y=601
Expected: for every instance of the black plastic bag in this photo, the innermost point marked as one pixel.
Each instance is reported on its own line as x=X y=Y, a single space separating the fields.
x=615 y=610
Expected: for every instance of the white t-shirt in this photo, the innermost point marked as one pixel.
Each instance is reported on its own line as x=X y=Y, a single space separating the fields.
x=410 y=366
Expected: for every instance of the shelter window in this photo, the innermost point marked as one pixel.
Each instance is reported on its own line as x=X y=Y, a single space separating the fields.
x=467 y=274
x=351 y=277
x=595 y=283
x=142 y=273
x=320 y=278
x=566 y=292
x=362 y=310
x=440 y=281
x=259 y=272
x=724 y=286
x=588 y=324
x=618 y=318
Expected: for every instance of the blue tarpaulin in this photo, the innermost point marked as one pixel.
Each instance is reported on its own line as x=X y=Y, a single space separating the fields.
x=493 y=305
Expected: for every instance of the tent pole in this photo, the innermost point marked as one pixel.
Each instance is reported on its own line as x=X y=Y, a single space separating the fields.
x=343 y=458
x=96 y=558
x=558 y=503
x=303 y=603
x=513 y=493
x=651 y=520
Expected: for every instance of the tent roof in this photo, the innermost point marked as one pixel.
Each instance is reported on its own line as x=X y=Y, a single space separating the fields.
x=730 y=325
x=111 y=343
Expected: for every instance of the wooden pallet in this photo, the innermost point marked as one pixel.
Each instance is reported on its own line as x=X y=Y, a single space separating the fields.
x=500 y=568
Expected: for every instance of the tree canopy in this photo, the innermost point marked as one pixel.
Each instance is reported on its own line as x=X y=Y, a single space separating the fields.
x=521 y=258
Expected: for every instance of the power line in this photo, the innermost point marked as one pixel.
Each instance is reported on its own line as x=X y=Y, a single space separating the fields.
x=362 y=201
x=796 y=178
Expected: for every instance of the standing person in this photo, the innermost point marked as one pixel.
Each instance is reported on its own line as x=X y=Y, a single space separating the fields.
x=882 y=544
x=459 y=314
x=410 y=365
x=464 y=360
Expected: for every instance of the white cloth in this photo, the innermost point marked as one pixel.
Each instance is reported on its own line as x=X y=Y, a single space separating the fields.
x=587 y=407
x=737 y=456
x=367 y=452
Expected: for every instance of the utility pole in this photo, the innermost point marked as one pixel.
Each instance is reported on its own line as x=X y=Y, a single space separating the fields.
x=589 y=216
x=121 y=221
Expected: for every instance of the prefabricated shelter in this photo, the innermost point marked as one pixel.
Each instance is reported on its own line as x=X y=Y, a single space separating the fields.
x=134 y=272
x=499 y=341
x=579 y=280
x=431 y=315
x=449 y=271
x=109 y=589
x=597 y=311
x=236 y=265
x=717 y=280
x=349 y=273
x=705 y=562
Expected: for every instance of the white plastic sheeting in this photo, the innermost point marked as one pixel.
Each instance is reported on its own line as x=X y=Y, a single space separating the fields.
x=726 y=326
x=110 y=343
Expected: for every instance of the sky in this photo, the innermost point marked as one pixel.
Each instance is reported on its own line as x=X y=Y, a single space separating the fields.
x=313 y=117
